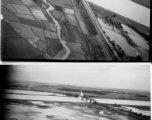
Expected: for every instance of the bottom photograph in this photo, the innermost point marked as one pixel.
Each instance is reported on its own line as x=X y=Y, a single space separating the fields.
x=78 y=91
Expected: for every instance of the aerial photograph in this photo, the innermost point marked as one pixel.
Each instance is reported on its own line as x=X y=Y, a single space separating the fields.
x=75 y=30
x=77 y=92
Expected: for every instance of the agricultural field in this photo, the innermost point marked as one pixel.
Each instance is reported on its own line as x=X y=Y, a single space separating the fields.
x=29 y=31
x=50 y=30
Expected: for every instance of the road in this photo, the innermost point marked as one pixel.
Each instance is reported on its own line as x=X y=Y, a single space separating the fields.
x=105 y=41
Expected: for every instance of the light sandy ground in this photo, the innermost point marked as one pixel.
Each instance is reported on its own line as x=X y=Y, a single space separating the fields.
x=53 y=111
x=34 y=105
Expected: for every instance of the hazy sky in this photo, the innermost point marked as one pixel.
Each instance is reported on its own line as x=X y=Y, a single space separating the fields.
x=126 y=8
x=94 y=75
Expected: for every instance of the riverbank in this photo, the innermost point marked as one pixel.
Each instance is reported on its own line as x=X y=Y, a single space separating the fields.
x=141 y=29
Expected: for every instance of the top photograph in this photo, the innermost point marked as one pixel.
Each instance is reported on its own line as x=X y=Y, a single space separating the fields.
x=75 y=30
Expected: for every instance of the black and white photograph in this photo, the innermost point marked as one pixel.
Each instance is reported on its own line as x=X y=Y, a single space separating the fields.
x=77 y=91
x=75 y=60
x=75 y=30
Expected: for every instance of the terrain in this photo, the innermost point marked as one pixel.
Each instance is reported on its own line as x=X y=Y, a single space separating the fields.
x=116 y=26
x=32 y=110
x=88 y=92
x=50 y=109
x=139 y=28
x=40 y=30
x=54 y=35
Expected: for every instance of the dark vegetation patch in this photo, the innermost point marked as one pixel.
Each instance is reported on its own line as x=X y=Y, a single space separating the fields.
x=145 y=3
x=53 y=43
x=47 y=16
x=74 y=34
x=53 y=46
x=86 y=91
x=61 y=23
x=76 y=56
x=19 y=2
x=145 y=36
x=38 y=2
x=140 y=95
x=58 y=8
x=8 y=15
x=7 y=1
x=63 y=35
x=3 y=47
x=52 y=52
x=50 y=117
x=90 y=26
x=139 y=116
x=98 y=56
x=63 y=30
x=43 y=107
x=143 y=107
x=20 y=48
x=23 y=102
x=34 y=23
x=8 y=31
x=84 y=48
x=39 y=57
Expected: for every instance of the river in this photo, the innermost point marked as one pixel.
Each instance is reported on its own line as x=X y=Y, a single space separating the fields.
x=123 y=102
x=143 y=47
x=46 y=96
x=127 y=9
x=57 y=25
x=40 y=97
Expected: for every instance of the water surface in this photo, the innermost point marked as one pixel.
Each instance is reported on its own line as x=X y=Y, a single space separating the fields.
x=123 y=102
x=115 y=35
x=127 y=9
x=44 y=96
